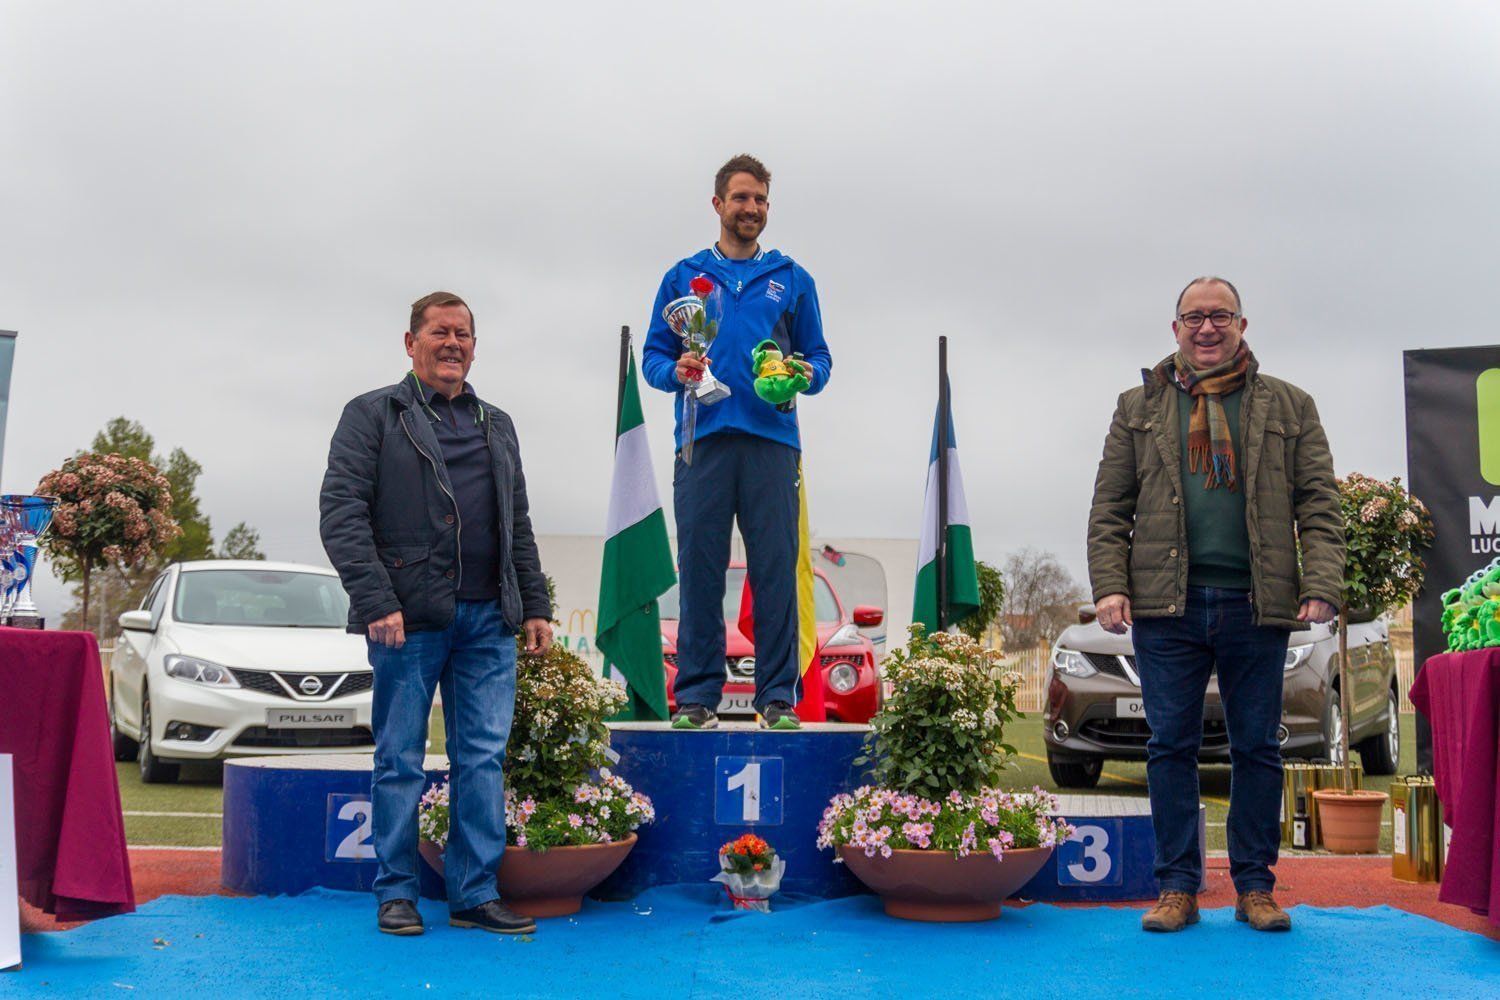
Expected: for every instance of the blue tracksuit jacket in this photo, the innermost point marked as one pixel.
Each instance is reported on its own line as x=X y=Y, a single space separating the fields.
x=767 y=297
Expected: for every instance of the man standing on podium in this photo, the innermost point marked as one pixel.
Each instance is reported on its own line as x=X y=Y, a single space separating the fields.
x=745 y=450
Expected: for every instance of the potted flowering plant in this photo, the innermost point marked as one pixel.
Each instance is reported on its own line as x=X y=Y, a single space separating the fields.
x=750 y=871
x=937 y=839
x=570 y=821
x=1385 y=531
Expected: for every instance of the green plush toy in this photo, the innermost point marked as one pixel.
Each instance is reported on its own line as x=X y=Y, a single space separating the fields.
x=1489 y=623
x=1451 y=609
x=776 y=381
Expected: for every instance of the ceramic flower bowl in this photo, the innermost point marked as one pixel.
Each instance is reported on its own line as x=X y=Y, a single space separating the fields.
x=936 y=886
x=548 y=883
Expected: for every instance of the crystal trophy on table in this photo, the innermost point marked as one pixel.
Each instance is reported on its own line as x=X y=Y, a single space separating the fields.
x=29 y=518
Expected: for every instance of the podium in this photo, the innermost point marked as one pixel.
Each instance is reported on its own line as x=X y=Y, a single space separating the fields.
x=295 y=822
x=1111 y=855
x=709 y=787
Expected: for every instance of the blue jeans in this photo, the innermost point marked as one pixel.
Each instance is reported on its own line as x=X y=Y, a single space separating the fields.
x=474 y=660
x=1174 y=657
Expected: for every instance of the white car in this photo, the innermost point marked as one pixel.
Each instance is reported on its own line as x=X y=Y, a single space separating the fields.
x=228 y=658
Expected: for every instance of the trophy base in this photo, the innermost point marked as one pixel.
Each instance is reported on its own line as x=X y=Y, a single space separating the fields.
x=711 y=390
x=25 y=621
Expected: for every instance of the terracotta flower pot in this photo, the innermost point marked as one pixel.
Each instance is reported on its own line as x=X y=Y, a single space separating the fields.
x=936 y=886
x=1350 y=823
x=548 y=883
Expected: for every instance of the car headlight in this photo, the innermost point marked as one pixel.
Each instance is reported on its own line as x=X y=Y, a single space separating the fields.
x=1296 y=656
x=847 y=635
x=190 y=668
x=1072 y=663
x=843 y=677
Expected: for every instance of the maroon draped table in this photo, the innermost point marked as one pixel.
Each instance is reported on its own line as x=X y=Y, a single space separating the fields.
x=1460 y=695
x=70 y=834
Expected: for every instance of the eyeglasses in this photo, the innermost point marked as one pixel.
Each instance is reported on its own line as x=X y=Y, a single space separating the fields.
x=1220 y=318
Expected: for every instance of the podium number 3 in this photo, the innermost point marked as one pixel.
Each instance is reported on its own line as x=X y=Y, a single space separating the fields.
x=357 y=846
x=1096 y=862
x=747 y=779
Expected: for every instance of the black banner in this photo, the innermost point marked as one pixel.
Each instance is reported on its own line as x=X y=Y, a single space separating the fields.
x=1453 y=466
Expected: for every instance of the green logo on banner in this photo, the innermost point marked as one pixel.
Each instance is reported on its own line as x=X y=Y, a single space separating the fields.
x=1487 y=388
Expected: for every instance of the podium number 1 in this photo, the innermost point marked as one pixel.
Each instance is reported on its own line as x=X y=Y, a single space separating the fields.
x=748 y=790
x=748 y=779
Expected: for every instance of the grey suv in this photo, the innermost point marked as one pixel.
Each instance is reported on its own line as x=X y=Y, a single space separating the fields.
x=1093 y=709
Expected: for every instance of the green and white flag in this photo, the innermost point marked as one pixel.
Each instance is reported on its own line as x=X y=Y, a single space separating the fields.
x=638 y=565
x=963 y=578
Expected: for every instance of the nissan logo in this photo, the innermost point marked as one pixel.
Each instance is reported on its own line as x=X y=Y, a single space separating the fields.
x=746 y=667
x=310 y=685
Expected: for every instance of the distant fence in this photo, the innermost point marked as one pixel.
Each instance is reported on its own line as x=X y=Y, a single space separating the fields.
x=1031 y=664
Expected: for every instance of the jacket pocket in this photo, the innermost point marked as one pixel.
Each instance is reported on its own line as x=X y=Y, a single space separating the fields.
x=1281 y=445
x=399 y=557
x=1142 y=433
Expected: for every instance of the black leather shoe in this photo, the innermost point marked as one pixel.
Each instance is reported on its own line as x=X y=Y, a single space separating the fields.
x=399 y=916
x=495 y=917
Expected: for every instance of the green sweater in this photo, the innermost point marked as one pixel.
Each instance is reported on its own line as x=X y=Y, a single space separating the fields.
x=1218 y=540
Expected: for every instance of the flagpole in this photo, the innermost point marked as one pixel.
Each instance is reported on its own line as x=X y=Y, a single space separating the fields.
x=942 y=485
x=624 y=371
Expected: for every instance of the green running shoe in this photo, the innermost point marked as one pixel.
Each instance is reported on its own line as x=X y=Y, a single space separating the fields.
x=695 y=717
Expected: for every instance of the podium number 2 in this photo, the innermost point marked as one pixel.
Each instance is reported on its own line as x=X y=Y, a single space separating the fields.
x=1096 y=863
x=341 y=843
x=748 y=780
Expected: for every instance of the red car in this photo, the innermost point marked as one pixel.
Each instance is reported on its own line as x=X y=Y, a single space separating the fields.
x=851 y=686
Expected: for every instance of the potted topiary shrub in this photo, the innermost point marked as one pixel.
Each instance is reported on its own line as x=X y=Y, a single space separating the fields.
x=570 y=822
x=1385 y=531
x=936 y=839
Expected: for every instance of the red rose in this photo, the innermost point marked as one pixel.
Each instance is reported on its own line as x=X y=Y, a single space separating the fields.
x=701 y=286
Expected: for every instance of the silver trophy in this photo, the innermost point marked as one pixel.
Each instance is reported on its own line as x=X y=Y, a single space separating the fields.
x=695 y=318
x=29 y=518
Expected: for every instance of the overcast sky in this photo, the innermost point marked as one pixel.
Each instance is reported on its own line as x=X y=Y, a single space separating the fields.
x=215 y=218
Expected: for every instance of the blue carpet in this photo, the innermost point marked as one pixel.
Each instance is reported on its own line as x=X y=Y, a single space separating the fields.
x=681 y=941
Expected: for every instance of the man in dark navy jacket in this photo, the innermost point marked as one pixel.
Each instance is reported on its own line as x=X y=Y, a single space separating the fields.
x=425 y=517
x=746 y=451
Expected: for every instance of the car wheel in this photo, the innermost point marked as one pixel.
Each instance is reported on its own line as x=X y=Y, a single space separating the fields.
x=1381 y=753
x=154 y=770
x=125 y=748
x=1333 y=728
x=1075 y=773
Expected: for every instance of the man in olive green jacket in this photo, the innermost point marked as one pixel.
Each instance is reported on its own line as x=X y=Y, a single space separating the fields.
x=1212 y=475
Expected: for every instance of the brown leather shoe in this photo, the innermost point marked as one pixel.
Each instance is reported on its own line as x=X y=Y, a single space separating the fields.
x=1172 y=912
x=1258 y=909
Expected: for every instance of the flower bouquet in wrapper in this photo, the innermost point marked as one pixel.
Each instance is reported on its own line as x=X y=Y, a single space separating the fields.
x=695 y=318
x=750 y=871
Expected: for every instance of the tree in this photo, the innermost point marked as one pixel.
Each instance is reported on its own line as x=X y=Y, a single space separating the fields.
x=1041 y=597
x=116 y=588
x=242 y=542
x=111 y=510
x=991 y=599
x=129 y=439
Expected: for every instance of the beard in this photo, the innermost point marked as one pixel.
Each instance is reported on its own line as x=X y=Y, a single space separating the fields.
x=748 y=229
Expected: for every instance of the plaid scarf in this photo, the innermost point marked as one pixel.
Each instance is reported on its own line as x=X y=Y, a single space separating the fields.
x=1210 y=450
